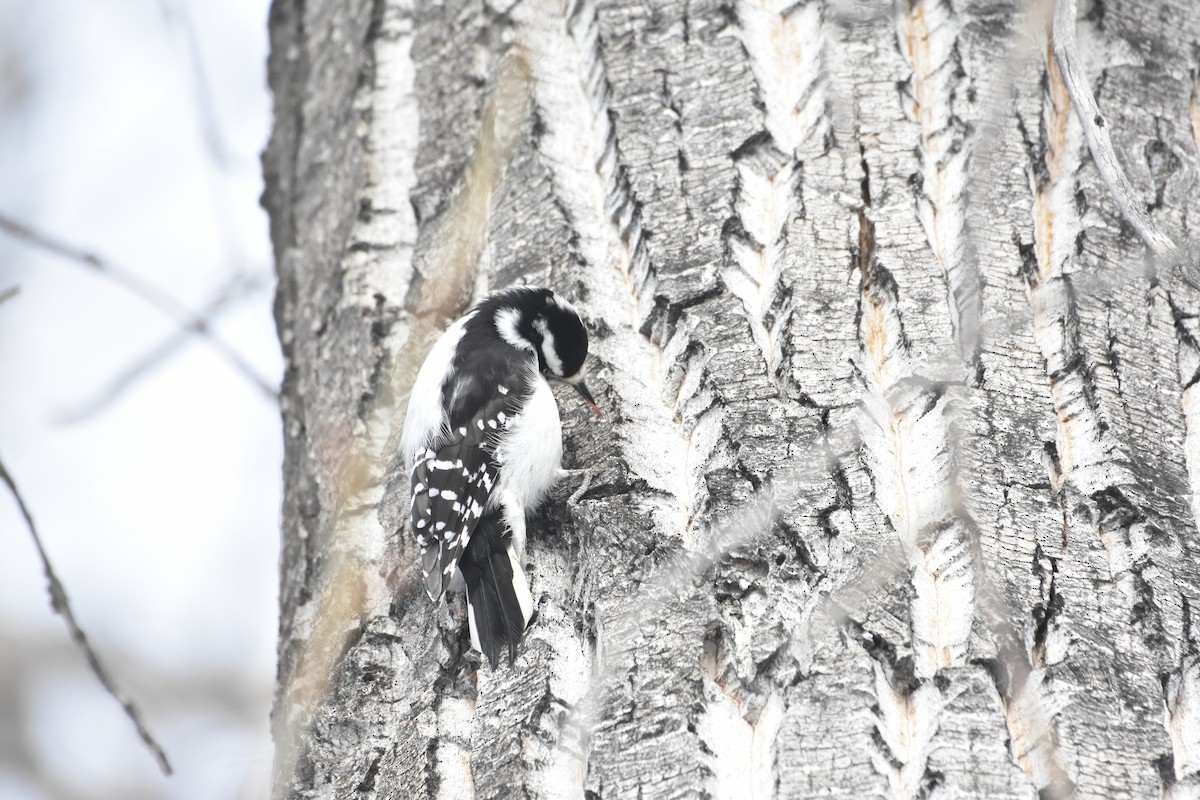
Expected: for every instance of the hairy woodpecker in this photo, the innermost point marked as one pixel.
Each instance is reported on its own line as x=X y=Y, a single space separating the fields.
x=483 y=443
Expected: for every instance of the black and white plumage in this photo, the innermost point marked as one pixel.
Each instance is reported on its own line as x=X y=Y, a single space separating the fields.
x=483 y=442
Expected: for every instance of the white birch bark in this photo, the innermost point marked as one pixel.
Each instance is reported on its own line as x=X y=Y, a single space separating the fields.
x=896 y=489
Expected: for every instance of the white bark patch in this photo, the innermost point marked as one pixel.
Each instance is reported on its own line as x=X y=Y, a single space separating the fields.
x=1029 y=715
x=565 y=770
x=906 y=438
x=743 y=751
x=1088 y=455
x=394 y=136
x=1188 y=358
x=456 y=717
x=907 y=722
x=665 y=446
x=579 y=143
x=928 y=34
x=784 y=41
x=907 y=443
x=765 y=192
x=1181 y=716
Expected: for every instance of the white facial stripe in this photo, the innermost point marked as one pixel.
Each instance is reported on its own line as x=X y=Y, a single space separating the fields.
x=563 y=304
x=507 y=320
x=548 y=351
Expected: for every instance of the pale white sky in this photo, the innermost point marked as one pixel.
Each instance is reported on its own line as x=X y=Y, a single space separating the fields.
x=159 y=507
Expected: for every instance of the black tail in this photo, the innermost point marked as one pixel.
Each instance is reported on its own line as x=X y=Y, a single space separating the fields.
x=498 y=599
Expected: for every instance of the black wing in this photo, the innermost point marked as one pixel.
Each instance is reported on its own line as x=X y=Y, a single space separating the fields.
x=452 y=484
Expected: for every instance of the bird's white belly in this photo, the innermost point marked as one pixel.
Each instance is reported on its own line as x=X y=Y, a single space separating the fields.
x=530 y=453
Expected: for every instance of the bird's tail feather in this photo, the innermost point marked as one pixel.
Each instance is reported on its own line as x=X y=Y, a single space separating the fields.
x=499 y=604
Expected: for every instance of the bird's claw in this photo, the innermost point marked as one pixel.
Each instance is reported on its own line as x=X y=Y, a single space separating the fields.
x=584 y=485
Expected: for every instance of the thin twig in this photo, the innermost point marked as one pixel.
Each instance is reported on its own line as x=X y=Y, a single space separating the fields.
x=59 y=602
x=143 y=289
x=240 y=286
x=176 y=14
x=9 y=293
x=1095 y=132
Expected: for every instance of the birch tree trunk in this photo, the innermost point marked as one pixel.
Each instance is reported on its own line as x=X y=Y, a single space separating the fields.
x=895 y=492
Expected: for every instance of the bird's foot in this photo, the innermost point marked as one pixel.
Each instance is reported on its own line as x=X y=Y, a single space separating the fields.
x=585 y=483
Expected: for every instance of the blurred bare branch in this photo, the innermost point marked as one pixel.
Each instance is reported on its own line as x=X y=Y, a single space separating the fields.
x=9 y=293
x=61 y=605
x=239 y=287
x=176 y=14
x=145 y=290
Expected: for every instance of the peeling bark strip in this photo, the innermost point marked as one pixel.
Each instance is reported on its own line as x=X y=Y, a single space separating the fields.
x=904 y=429
x=907 y=722
x=1181 y=688
x=1187 y=337
x=783 y=42
x=1087 y=453
x=928 y=33
x=1029 y=717
x=765 y=192
x=1095 y=131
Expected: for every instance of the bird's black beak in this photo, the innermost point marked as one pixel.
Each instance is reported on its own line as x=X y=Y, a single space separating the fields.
x=581 y=387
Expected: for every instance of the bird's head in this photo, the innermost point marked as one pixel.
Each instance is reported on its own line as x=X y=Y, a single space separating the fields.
x=539 y=320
